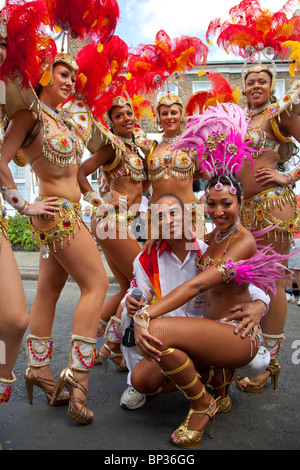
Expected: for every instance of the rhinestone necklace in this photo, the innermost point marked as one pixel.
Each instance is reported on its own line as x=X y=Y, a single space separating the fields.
x=55 y=115
x=170 y=140
x=262 y=109
x=221 y=236
x=132 y=145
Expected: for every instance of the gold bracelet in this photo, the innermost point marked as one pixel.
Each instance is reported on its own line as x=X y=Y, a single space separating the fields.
x=142 y=315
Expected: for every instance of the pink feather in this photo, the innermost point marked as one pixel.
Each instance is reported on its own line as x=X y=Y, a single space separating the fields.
x=218 y=136
x=262 y=270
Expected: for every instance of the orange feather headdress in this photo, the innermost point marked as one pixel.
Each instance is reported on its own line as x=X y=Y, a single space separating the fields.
x=220 y=92
x=151 y=66
x=253 y=32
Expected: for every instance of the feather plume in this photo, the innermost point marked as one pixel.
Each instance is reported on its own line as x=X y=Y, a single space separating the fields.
x=220 y=92
x=218 y=137
x=99 y=75
x=96 y=19
x=151 y=66
x=28 y=45
x=262 y=270
x=251 y=25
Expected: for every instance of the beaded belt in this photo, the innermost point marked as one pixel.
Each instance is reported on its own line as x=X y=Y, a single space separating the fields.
x=69 y=214
x=256 y=210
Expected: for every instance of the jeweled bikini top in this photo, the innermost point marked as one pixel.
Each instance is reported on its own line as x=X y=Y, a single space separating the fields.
x=259 y=141
x=178 y=164
x=132 y=164
x=60 y=149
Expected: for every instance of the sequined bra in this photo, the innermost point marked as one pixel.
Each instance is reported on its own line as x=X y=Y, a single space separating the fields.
x=180 y=165
x=260 y=142
x=62 y=149
x=132 y=165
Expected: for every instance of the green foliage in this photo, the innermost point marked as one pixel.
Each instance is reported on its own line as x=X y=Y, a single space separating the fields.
x=19 y=232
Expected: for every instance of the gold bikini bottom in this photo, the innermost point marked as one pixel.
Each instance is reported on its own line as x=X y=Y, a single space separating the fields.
x=69 y=215
x=257 y=211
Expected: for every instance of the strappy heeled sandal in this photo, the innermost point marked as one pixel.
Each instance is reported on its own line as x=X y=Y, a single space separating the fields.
x=257 y=386
x=81 y=414
x=47 y=385
x=224 y=403
x=189 y=439
x=104 y=359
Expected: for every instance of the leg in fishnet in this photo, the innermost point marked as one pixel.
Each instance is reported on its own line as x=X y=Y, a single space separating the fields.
x=210 y=344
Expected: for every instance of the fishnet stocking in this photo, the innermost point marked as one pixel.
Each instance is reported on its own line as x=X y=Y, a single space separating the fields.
x=207 y=342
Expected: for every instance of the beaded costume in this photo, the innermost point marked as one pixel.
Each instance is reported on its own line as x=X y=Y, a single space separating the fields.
x=256 y=212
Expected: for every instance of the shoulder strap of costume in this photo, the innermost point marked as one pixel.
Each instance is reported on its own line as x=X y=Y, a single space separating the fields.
x=94 y=134
x=286 y=103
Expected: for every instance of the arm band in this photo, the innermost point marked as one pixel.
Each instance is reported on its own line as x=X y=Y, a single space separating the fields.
x=93 y=198
x=15 y=199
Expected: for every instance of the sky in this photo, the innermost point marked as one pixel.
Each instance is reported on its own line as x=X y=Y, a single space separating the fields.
x=142 y=19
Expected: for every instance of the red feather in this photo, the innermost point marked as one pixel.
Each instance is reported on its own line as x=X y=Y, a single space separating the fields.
x=28 y=45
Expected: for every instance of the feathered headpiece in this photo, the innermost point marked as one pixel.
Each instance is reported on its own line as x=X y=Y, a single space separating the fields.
x=221 y=92
x=99 y=77
x=92 y=20
x=28 y=44
x=152 y=66
x=254 y=32
x=218 y=138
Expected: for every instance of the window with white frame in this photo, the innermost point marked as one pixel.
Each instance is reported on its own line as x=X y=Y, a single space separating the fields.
x=279 y=88
x=201 y=86
x=171 y=87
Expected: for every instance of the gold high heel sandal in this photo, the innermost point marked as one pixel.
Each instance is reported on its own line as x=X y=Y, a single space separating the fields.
x=184 y=437
x=81 y=360
x=80 y=414
x=104 y=359
x=225 y=403
x=257 y=386
x=47 y=385
x=189 y=439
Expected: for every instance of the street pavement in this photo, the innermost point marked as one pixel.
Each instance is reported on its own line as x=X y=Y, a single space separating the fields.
x=268 y=421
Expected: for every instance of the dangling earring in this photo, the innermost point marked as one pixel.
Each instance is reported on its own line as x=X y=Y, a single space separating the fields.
x=159 y=127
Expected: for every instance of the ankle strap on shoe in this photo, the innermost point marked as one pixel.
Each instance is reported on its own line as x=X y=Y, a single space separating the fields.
x=39 y=351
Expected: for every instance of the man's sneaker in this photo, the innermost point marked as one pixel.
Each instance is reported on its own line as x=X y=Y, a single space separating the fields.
x=131 y=399
x=290 y=297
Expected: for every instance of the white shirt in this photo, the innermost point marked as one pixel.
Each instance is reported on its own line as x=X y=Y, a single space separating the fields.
x=171 y=273
x=168 y=273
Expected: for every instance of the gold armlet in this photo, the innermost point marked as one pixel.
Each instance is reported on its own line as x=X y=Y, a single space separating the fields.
x=277 y=132
x=152 y=148
x=226 y=270
x=116 y=161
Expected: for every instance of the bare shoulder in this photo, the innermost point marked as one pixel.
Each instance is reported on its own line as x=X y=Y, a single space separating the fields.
x=243 y=245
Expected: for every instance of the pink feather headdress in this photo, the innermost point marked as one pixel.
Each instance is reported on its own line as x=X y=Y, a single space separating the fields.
x=218 y=137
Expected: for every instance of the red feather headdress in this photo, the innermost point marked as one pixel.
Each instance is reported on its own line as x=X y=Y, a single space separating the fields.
x=254 y=31
x=28 y=44
x=151 y=66
x=220 y=92
x=99 y=76
x=96 y=19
